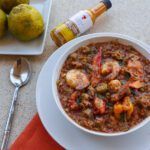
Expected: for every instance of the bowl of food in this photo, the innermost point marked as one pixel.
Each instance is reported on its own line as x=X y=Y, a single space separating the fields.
x=102 y=84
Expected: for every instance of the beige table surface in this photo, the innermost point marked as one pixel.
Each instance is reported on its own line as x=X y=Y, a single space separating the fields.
x=131 y=17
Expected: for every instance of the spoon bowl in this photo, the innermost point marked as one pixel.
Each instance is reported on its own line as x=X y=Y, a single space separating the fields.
x=20 y=72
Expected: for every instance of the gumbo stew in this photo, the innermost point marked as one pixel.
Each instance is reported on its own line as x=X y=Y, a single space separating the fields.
x=106 y=87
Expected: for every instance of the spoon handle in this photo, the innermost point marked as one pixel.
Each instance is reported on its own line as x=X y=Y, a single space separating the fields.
x=9 y=121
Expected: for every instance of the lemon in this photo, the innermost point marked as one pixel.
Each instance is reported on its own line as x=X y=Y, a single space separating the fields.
x=25 y=22
x=7 y=5
x=3 y=23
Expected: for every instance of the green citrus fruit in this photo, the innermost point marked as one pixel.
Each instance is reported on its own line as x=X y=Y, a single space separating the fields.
x=25 y=22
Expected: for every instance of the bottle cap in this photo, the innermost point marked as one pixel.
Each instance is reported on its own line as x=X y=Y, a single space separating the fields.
x=107 y=3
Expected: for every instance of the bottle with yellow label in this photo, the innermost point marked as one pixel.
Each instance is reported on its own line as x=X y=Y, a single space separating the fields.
x=79 y=23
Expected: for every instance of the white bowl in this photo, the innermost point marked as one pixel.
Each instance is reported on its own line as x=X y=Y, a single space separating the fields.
x=84 y=40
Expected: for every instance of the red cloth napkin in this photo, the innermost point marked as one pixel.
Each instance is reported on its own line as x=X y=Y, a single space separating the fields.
x=35 y=137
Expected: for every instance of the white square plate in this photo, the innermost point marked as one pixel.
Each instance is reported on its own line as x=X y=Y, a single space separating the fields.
x=11 y=46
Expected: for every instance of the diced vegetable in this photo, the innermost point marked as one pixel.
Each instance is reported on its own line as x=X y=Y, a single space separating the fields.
x=136 y=84
x=74 y=55
x=114 y=85
x=109 y=104
x=102 y=88
x=85 y=49
x=133 y=91
x=85 y=96
x=127 y=75
x=101 y=96
x=78 y=101
x=126 y=103
x=119 y=54
x=144 y=101
x=100 y=105
x=85 y=100
x=123 y=117
x=108 y=95
x=91 y=91
x=76 y=64
x=73 y=102
x=95 y=79
x=118 y=109
x=121 y=63
x=88 y=112
x=115 y=97
x=123 y=91
x=128 y=106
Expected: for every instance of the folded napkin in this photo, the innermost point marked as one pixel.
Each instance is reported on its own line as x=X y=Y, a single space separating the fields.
x=35 y=137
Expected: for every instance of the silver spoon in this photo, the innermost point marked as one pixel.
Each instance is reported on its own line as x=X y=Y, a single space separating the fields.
x=19 y=75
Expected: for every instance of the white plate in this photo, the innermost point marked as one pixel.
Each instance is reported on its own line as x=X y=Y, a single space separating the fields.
x=68 y=135
x=103 y=37
x=11 y=46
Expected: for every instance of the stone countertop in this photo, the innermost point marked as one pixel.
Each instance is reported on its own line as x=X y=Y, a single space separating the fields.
x=131 y=17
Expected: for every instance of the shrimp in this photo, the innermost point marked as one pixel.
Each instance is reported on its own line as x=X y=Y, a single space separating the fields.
x=135 y=68
x=77 y=79
x=96 y=68
x=110 y=69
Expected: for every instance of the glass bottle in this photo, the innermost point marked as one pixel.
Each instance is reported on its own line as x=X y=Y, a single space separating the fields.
x=79 y=23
